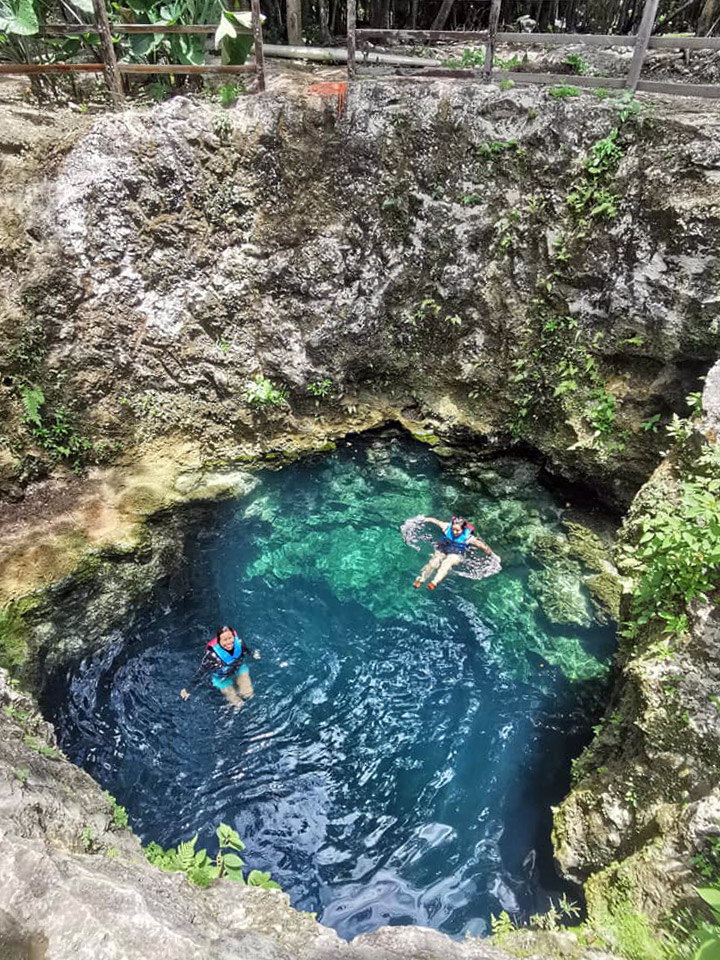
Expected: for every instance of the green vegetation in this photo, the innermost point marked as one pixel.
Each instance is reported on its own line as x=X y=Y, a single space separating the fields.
x=496 y=149
x=119 y=813
x=44 y=749
x=53 y=429
x=21 y=774
x=563 y=91
x=429 y=311
x=577 y=63
x=319 y=388
x=262 y=392
x=470 y=57
x=590 y=197
x=676 y=556
x=200 y=869
x=230 y=92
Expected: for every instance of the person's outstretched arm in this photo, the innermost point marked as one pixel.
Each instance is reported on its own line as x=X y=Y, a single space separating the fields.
x=477 y=542
x=255 y=654
x=208 y=661
x=438 y=523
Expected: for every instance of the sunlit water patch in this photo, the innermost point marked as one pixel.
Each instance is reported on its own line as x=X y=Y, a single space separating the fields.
x=399 y=759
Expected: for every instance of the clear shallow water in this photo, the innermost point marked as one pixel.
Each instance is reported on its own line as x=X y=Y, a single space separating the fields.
x=401 y=754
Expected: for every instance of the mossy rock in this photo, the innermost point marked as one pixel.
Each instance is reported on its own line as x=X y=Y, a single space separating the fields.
x=558 y=589
x=549 y=549
x=587 y=547
x=605 y=593
x=14 y=633
x=615 y=913
x=429 y=438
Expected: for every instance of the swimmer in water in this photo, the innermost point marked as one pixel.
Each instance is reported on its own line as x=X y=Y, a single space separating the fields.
x=458 y=535
x=224 y=655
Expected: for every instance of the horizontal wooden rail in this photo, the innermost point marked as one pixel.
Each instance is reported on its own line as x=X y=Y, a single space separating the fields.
x=430 y=35
x=705 y=90
x=68 y=30
x=544 y=39
x=31 y=69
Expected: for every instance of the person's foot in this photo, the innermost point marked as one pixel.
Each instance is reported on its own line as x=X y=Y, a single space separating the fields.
x=417 y=584
x=431 y=585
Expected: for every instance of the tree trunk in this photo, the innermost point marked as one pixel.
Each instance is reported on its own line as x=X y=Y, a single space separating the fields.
x=709 y=14
x=294 y=22
x=413 y=15
x=324 y=20
x=443 y=14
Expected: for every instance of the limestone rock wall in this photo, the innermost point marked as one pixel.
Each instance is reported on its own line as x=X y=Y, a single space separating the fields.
x=416 y=252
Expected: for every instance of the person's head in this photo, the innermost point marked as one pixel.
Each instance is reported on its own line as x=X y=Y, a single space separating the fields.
x=226 y=637
x=458 y=525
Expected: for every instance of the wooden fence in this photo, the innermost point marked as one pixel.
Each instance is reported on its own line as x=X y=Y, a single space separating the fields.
x=640 y=42
x=113 y=69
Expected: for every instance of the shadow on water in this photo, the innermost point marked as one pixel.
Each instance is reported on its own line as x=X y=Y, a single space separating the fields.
x=403 y=749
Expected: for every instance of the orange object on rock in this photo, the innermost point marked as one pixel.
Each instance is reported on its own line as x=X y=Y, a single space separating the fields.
x=328 y=89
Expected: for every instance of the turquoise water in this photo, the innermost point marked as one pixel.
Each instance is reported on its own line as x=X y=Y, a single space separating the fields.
x=399 y=759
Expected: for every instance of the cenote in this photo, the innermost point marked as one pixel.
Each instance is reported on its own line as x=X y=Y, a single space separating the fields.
x=402 y=752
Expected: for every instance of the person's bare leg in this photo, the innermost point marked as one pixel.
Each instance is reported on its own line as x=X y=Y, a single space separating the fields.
x=433 y=563
x=231 y=696
x=452 y=560
x=244 y=685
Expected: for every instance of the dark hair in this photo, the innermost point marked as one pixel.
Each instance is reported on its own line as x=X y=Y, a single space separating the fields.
x=222 y=630
x=463 y=523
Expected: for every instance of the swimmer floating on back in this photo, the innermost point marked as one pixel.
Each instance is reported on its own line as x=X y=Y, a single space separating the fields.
x=224 y=655
x=458 y=535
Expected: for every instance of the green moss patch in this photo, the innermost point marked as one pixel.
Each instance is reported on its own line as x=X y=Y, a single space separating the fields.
x=605 y=592
x=587 y=547
x=14 y=633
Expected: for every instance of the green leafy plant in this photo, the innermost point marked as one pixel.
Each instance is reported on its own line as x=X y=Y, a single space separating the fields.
x=230 y=92
x=470 y=57
x=577 y=63
x=508 y=63
x=53 y=429
x=21 y=774
x=502 y=925
x=651 y=424
x=262 y=392
x=319 y=388
x=507 y=84
x=201 y=869
x=677 y=557
x=602 y=412
x=119 y=813
x=564 y=91
x=44 y=749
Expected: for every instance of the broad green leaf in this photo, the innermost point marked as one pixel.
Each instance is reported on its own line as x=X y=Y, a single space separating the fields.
x=226 y=28
x=84 y=6
x=19 y=17
x=232 y=861
x=710 y=950
x=711 y=896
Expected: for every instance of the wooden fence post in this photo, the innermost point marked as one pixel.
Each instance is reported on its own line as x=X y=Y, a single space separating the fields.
x=258 y=37
x=112 y=74
x=641 y=43
x=351 y=27
x=492 y=35
x=293 y=12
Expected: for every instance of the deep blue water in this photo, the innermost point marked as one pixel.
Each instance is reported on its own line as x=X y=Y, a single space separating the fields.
x=399 y=759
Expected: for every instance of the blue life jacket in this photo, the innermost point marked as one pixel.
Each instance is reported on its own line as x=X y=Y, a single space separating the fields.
x=457 y=544
x=230 y=658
